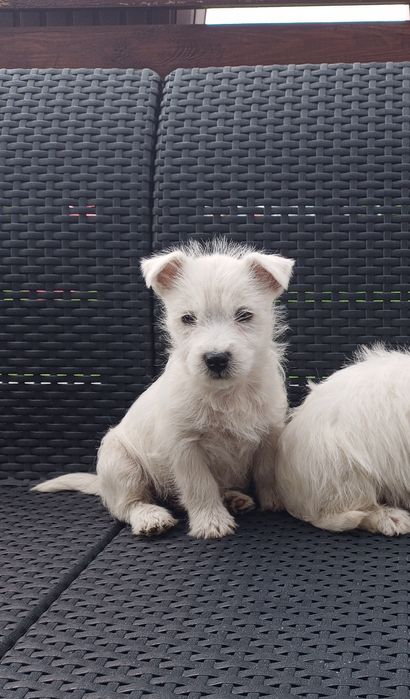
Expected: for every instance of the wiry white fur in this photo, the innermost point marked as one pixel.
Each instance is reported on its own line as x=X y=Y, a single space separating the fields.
x=190 y=436
x=344 y=458
x=85 y=482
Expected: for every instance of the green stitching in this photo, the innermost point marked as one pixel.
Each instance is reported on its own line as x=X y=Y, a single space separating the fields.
x=335 y=297
x=44 y=295
x=60 y=375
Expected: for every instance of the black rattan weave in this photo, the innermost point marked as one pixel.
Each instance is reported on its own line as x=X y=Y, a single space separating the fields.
x=45 y=542
x=76 y=150
x=310 y=161
x=278 y=610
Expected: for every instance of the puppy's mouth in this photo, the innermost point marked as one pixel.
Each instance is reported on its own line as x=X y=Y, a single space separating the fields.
x=219 y=375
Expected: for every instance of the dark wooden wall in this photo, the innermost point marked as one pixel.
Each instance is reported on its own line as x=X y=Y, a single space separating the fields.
x=97 y=16
x=166 y=34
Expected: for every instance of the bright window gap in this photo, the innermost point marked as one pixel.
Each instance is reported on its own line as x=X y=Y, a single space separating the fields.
x=320 y=13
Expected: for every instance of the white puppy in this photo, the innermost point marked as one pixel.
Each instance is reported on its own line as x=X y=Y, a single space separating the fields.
x=344 y=458
x=209 y=425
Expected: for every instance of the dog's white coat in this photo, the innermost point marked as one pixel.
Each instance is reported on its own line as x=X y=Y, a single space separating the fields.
x=344 y=458
x=191 y=436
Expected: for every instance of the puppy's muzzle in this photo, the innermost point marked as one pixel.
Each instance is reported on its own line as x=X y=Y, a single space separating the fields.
x=218 y=363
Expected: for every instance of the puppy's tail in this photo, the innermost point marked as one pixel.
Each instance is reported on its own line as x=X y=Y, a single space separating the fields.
x=84 y=482
x=340 y=521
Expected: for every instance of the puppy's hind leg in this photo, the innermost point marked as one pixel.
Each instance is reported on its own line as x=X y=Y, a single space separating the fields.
x=126 y=490
x=390 y=521
x=338 y=521
x=379 y=519
x=238 y=502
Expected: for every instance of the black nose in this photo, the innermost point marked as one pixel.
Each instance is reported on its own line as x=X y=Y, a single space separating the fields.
x=217 y=362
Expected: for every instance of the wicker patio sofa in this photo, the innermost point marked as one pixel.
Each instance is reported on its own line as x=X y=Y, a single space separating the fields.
x=98 y=168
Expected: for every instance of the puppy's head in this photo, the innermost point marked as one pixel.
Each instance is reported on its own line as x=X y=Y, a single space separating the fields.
x=218 y=306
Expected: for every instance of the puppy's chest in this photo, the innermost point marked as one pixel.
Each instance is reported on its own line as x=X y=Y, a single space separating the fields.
x=225 y=447
x=228 y=423
x=229 y=439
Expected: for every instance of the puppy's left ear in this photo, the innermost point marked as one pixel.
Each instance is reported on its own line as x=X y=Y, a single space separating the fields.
x=272 y=272
x=161 y=272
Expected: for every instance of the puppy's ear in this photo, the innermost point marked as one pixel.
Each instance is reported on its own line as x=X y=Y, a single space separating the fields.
x=272 y=272
x=161 y=271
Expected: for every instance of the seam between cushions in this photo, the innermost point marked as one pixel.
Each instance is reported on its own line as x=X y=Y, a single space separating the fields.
x=54 y=593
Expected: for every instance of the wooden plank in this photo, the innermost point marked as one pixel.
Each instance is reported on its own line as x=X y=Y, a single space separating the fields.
x=166 y=47
x=188 y=4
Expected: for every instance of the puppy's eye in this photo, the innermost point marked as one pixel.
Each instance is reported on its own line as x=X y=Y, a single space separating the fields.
x=242 y=315
x=188 y=319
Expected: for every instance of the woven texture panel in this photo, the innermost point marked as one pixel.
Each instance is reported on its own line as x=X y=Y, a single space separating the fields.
x=76 y=150
x=44 y=540
x=278 y=610
x=309 y=161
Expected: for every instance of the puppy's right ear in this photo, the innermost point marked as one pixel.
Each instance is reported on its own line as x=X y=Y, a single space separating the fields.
x=273 y=272
x=162 y=271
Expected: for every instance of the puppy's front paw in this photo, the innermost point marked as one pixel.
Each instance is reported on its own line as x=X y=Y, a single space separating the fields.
x=238 y=502
x=268 y=500
x=150 y=520
x=212 y=524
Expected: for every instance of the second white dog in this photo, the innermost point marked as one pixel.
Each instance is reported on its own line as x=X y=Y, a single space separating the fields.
x=344 y=458
x=209 y=425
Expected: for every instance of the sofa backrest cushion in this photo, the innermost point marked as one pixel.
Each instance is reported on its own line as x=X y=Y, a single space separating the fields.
x=310 y=161
x=76 y=151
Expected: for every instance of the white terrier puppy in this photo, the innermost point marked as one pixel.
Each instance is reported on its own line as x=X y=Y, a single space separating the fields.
x=344 y=458
x=209 y=425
